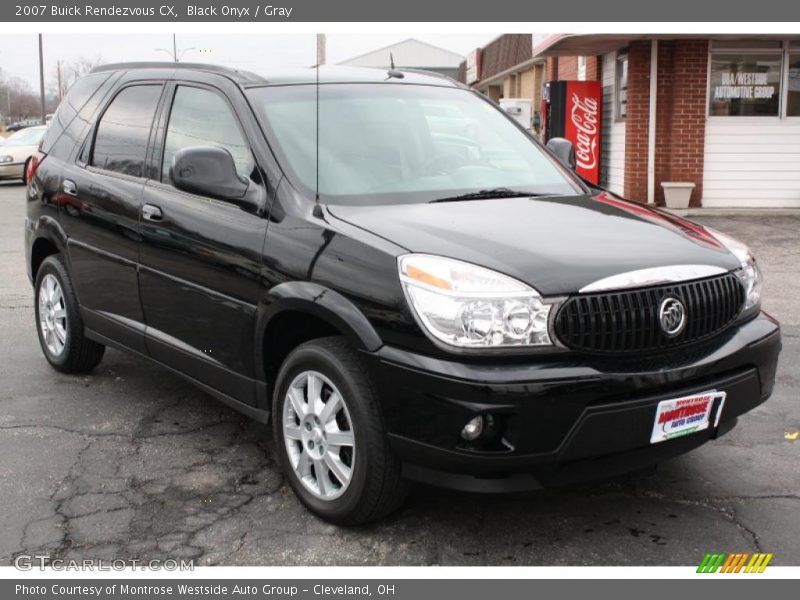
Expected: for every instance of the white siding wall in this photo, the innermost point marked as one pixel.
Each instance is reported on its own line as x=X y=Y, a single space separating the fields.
x=752 y=162
x=613 y=144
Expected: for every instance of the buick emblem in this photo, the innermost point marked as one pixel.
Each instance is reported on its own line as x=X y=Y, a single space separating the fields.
x=672 y=316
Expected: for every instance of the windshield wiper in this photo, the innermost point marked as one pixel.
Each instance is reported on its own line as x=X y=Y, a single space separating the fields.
x=501 y=192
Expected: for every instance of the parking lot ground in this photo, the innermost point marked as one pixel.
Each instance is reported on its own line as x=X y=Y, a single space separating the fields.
x=131 y=462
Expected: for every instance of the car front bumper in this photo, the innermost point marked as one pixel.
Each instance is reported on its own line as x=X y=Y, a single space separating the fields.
x=562 y=419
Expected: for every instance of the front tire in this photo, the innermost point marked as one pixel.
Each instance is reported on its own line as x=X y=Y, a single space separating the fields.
x=59 y=323
x=330 y=437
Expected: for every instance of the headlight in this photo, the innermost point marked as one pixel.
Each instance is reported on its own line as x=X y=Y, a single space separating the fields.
x=6 y=159
x=471 y=307
x=749 y=274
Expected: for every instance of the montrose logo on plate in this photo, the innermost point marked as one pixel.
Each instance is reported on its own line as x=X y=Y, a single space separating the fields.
x=682 y=416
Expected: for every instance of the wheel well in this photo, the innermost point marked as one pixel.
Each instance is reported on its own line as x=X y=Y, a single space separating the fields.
x=42 y=248
x=288 y=330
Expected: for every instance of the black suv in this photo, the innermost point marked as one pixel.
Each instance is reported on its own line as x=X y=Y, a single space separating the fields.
x=395 y=271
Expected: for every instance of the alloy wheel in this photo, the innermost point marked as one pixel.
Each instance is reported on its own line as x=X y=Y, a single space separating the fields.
x=52 y=315
x=319 y=436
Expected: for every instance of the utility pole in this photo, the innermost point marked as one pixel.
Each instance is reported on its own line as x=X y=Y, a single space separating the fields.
x=60 y=89
x=321 y=49
x=41 y=80
x=174 y=54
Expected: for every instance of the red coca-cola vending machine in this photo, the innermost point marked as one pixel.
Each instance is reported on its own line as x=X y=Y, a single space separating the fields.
x=571 y=110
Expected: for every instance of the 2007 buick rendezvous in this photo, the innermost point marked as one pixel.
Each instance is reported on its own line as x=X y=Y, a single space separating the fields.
x=414 y=290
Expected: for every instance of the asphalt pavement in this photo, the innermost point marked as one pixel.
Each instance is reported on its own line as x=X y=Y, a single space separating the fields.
x=131 y=462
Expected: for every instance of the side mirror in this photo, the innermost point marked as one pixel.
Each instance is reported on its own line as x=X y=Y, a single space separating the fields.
x=208 y=171
x=563 y=150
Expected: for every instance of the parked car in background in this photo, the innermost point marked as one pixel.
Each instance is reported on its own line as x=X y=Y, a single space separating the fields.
x=410 y=287
x=20 y=125
x=17 y=151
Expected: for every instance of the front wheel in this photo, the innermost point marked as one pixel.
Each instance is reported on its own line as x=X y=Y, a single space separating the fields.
x=329 y=434
x=59 y=323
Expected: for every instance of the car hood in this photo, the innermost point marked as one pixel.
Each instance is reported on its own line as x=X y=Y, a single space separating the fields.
x=558 y=245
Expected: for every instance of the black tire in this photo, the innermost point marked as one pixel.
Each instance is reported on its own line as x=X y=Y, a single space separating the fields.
x=376 y=487
x=79 y=353
x=25 y=172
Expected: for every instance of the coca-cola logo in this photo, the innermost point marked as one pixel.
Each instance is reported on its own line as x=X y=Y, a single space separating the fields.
x=585 y=118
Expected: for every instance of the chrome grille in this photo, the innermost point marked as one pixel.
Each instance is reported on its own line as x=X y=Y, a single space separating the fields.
x=627 y=321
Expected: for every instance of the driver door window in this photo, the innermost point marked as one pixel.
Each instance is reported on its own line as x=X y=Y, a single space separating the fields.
x=201 y=117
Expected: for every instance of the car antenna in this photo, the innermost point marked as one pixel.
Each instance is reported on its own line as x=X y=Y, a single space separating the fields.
x=392 y=72
x=317 y=212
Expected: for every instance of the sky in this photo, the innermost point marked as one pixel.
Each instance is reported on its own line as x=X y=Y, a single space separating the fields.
x=19 y=54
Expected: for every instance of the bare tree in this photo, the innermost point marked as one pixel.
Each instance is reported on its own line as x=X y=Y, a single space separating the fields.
x=17 y=99
x=73 y=70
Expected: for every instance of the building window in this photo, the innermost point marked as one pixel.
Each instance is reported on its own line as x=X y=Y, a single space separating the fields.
x=581 y=68
x=621 y=94
x=745 y=84
x=793 y=95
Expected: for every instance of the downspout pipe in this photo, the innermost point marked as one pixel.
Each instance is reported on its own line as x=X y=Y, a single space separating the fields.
x=651 y=124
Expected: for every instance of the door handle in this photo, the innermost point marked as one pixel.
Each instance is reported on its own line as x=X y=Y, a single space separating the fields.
x=69 y=187
x=151 y=213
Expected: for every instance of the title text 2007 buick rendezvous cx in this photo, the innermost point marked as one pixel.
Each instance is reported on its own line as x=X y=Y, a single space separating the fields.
x=413 y=289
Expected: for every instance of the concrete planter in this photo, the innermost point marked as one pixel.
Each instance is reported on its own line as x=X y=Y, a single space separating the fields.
x=677 y=193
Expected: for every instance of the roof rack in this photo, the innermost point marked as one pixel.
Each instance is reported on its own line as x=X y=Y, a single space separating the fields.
x=328 y=74
x=236 y=74
x=428 y=73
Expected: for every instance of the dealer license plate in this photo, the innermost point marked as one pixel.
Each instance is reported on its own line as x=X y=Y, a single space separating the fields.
x=689 y=414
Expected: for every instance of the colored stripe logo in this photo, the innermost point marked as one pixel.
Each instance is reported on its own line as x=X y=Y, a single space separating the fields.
x=738 y=562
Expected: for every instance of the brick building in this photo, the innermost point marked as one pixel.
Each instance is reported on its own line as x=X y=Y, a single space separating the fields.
x=721 y=112
x=506 y=68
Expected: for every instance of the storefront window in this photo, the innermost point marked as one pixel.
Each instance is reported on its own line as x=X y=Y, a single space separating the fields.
x=622 y=86
x=745 y=85
x=793 y=97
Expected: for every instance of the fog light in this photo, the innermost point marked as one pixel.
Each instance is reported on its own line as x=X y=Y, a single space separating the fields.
x=473 y=429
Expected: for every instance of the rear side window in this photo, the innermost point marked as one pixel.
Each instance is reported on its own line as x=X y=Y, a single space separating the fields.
x=76 y=100
x=201 y=117
x=120 y=144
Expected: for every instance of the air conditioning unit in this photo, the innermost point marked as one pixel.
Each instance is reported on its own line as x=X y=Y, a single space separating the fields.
x=519 y=109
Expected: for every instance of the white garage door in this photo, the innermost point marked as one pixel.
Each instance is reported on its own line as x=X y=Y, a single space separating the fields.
x=752 y=162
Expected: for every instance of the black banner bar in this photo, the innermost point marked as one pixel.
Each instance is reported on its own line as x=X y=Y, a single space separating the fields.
x=742 y=11
x=730 y=588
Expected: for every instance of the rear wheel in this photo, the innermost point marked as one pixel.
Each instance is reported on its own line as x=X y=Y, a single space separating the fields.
x=59 y=323
x=330 y=436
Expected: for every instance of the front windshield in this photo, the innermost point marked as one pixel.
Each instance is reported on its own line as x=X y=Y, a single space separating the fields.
x=389 y=143
x=26 y=137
